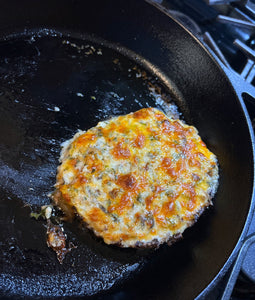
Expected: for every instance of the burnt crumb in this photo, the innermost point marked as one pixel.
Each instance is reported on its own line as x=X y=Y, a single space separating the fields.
x=154 y=244
x=201 y=211
x=56 y=240
x=138 y=244
x=174 y=239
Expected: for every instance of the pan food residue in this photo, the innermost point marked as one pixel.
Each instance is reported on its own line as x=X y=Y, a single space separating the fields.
x=52 y=85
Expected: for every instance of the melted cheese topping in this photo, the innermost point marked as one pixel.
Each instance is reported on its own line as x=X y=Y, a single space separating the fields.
x=138 y=179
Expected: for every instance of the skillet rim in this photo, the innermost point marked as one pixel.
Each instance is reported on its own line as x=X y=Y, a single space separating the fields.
x=238 y=93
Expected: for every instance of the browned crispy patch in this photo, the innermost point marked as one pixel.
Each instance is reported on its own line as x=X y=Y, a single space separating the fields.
x=121 y=151
x=127 y=182
x=56 y=240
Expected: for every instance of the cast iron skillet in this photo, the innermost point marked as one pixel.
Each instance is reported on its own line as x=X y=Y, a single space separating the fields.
x=51 y=86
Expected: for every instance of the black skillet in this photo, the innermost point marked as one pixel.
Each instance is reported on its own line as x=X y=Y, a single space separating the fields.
x=51 y=86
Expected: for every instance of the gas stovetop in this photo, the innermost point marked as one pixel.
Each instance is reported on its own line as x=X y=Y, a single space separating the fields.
x=227 y=28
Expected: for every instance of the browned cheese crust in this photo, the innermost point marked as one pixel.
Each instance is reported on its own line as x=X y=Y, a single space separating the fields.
x=137 y=180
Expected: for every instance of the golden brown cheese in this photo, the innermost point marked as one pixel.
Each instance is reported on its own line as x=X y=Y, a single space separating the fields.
x=137 y=180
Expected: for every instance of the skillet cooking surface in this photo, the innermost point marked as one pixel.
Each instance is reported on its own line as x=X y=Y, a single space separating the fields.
x=41 y=74
x=52 y=87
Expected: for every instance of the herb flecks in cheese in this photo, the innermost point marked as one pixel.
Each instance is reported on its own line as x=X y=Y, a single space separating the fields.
x=137 y=180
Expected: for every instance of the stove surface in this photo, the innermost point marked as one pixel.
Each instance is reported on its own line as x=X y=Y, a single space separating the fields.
x=228 y=28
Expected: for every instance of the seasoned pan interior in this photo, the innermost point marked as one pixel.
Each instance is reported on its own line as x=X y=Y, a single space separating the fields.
x=51 y=86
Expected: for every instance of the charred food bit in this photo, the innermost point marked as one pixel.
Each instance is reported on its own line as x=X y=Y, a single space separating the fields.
x=137 y=180
x=56 y=240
